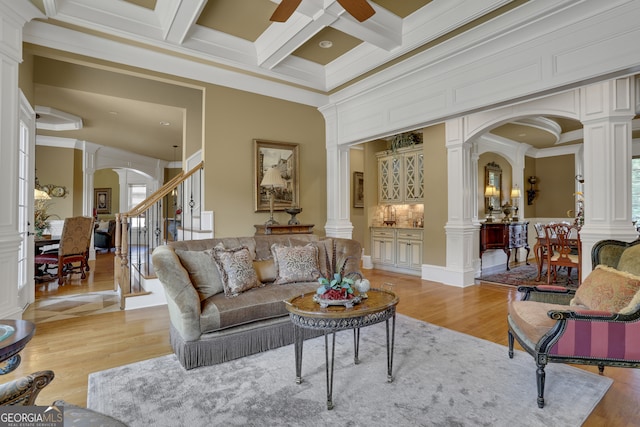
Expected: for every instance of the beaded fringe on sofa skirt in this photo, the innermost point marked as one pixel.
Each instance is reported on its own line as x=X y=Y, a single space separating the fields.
x=222 y=346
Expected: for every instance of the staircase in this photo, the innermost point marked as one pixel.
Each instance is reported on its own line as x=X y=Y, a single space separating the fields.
x=173 y=212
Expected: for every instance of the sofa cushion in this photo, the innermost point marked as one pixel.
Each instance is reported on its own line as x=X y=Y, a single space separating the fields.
x=236 y=268
x=295 y=263
x=203 y=271
x=325 y=254
x=219 y=312
x=532 y=318
x=630 y=260
x=266 y=270
x=607 y=289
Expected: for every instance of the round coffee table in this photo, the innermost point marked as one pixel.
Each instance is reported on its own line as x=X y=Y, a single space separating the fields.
x=305 y=313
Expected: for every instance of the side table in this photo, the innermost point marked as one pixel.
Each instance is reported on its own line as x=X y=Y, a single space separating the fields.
x=304 y=312
x=16 y=333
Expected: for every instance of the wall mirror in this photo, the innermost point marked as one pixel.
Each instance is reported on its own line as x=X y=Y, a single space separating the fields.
x=492 y=186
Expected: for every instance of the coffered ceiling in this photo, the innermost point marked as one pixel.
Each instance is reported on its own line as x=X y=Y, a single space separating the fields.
x=237 y=35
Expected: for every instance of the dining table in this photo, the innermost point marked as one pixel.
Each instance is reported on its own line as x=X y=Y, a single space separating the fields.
x=542 y=246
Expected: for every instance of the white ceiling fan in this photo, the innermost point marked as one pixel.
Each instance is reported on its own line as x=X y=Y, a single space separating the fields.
x=359 y=9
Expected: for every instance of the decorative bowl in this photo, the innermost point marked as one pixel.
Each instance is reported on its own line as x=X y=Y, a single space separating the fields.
x=348 y=303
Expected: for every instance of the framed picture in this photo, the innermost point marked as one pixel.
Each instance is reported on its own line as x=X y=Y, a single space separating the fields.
x=102 y=200
x=279 y=163
x=358 y=190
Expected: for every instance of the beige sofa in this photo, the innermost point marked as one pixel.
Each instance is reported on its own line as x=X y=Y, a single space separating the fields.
x=219 y=311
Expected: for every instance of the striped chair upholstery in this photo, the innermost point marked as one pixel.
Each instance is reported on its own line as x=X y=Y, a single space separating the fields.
x=552 y=330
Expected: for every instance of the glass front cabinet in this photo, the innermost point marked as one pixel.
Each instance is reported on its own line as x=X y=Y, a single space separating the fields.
x=401 y=176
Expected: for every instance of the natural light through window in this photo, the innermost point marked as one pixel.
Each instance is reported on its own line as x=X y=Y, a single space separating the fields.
x=137 y=193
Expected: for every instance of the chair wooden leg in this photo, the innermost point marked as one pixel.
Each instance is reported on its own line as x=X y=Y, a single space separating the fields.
x=540 y=377
x=510 y=337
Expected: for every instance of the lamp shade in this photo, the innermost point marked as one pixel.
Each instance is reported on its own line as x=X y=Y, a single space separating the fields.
x=40 y=195
x=491 y=191
x=273 y=179
x=515 y=192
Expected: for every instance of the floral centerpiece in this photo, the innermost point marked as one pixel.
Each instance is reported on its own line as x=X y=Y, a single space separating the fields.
x=40 y=215
x=341 y=289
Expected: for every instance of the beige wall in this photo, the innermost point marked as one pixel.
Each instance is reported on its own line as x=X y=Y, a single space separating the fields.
x=107 y=178
x=436 y=195
x=55 y=166
x=358 y=217
x=556 y=185
x=25 y=77
x=233 y=120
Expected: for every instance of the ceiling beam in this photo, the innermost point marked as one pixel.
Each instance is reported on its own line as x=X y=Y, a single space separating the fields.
x=178 y=18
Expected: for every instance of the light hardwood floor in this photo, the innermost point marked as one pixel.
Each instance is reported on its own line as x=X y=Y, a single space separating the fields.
x=76 y=346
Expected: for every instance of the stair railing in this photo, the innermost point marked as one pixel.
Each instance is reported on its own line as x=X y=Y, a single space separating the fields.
x=170 y=213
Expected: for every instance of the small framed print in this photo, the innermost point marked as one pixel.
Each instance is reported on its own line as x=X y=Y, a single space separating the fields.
x=358 y=190
x=102 y=200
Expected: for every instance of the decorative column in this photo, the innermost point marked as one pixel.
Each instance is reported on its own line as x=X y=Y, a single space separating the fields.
x=607 y=110
x=338 y=180
x=13 y=16
x=462 y=247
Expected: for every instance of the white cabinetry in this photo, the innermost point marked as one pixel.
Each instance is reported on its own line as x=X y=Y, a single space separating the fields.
x=401 y=176
x=397 y=249
x=409 y=249
x=382 y=246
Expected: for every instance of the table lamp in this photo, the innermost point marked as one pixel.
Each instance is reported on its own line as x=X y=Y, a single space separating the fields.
x=490 y=192
x=515 y=197
x=272 y=180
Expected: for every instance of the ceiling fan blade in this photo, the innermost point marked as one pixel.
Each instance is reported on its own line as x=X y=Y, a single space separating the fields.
x=284 y=10
x=359 y=9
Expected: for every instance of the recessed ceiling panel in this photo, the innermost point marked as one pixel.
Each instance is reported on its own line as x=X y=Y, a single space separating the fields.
x=147 y=4
x=246 y=19
x=341 y=44
x=538 y=138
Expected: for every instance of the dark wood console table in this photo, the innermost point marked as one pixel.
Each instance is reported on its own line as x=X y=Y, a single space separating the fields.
x=284 y=229
x=505 y=236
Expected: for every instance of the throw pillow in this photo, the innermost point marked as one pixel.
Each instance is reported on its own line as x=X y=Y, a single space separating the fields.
x=295 y=263
x=325 y=254
x=265 y=269
x=203 y=272
x=630 y=260
x=236 y=268
x=103 y=226
x=607 y=289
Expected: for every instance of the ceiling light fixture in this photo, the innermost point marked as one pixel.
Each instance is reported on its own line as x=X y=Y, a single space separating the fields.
x=325 y=44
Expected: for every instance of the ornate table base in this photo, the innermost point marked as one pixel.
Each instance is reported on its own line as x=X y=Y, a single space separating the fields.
x=306 y=314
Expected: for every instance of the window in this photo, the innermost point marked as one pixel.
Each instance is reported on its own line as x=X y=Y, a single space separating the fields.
x=137 y=194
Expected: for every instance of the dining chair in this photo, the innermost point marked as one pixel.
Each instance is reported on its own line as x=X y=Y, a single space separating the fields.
x=563 y=250
x=73 y=249
x=540 y=248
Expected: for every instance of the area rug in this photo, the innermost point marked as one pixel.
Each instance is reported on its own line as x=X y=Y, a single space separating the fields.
x=525 y=275
x=442 y=378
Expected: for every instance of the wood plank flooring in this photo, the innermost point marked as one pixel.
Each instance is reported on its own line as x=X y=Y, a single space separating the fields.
x=74 y=345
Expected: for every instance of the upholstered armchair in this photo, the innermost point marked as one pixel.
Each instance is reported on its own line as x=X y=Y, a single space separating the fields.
x=104 y=235
x=23 y=391
x=597 y=324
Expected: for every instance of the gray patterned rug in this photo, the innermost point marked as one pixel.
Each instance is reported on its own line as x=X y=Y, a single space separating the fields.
x=442 y=378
